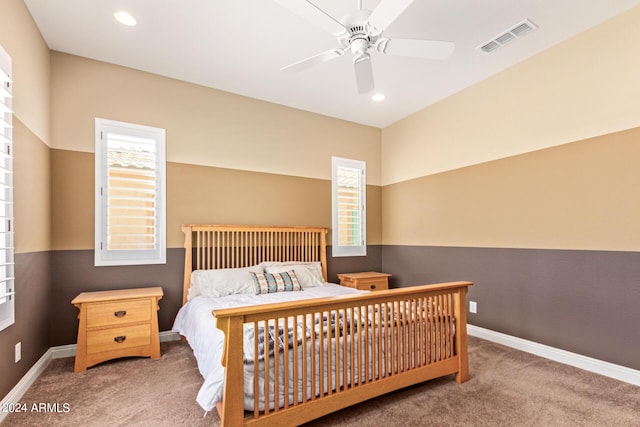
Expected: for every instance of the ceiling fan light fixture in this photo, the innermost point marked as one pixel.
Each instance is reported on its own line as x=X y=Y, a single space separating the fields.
x=359 y=47
x=125 y=18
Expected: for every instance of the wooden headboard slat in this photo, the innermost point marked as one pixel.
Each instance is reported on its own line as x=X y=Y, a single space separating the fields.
x=234 y=246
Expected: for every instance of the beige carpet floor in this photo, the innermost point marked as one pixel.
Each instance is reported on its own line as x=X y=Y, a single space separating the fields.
x=507 y=388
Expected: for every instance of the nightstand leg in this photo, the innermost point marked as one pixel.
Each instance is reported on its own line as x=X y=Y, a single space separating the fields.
x=155 y=336
x=81 y=346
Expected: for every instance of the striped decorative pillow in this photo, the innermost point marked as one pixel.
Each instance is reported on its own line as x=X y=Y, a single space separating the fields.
x=266 y=283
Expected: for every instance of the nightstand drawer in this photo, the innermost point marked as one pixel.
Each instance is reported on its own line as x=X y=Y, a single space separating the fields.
x=118 y=338
x=118 y=313
x=365 y=281
x=373 y=284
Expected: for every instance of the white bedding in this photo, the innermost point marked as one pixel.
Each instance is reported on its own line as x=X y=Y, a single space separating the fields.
x=197 y=324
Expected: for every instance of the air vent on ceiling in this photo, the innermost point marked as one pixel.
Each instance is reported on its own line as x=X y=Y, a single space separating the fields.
x=515 y=32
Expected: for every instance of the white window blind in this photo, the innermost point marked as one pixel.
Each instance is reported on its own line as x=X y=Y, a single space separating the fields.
x=349 y=207
x=7 y=279
x=131 y=162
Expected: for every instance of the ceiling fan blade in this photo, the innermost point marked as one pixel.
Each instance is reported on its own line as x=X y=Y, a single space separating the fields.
x=312 y=13
x=386 y=12
x=313 y=60
x=429 y=49
x=364 y=74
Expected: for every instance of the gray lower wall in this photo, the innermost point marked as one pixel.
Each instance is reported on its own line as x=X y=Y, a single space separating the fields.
x=33 y=310
x=587 y=302
x=580 y=301
x=371 y=262
x=73 y=272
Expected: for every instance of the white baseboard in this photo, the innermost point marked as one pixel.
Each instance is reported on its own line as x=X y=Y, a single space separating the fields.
x=607 y=369
x=611 y=370
x=62 y=351
x=38 y=368
x=25 y=382
x=169 y=336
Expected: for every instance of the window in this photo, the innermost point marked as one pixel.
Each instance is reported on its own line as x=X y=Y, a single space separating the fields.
x=130 y=194
x=349 y=182
x=7 y=280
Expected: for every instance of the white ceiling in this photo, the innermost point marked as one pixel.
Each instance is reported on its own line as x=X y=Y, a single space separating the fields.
x=239 y=46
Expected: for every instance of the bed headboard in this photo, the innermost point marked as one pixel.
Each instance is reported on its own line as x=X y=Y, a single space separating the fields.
x=232 y=246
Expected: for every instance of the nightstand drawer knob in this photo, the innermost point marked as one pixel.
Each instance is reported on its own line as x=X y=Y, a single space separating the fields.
x=120 y=339
x=372 y=286
x=120 y=313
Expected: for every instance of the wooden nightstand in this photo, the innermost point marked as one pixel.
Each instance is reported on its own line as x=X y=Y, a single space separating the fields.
x=117 y=324
x=368 y=280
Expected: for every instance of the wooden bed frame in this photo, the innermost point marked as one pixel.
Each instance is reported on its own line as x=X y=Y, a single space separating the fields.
x=393 y=338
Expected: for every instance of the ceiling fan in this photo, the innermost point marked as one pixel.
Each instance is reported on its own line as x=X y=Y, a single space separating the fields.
x=362 y=32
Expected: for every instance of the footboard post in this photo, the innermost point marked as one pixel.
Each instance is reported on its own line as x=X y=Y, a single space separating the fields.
x=232 y=360
x=187 y=262
x=461 y=334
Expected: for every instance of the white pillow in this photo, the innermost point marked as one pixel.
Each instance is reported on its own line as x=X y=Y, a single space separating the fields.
x=222 y=282
x=309 y=274
x=193 y=291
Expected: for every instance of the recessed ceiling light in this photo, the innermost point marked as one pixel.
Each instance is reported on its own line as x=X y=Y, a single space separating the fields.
x=125 y=18
x=378 y=97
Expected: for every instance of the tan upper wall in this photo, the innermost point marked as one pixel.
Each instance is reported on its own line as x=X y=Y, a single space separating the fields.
x=20 y=37
x=32 y=191
x=22 y=40
x=204 y=126
x=582 y=195
x=583 y=87
x=200 y=194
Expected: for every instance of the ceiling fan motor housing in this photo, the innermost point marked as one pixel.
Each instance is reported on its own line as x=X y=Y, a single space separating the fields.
x=358 y=39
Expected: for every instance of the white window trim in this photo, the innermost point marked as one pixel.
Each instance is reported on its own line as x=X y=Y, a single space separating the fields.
x=104 y=257
x=336 y=249
x=7 y=291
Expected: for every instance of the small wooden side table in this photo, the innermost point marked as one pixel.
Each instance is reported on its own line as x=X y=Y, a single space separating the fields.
x=117 y=323
x=367 y=280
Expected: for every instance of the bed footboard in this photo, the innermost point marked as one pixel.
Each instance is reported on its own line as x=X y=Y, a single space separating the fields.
x=314 y=357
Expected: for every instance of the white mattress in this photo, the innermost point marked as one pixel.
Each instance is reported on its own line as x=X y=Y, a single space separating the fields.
x=195 y=322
